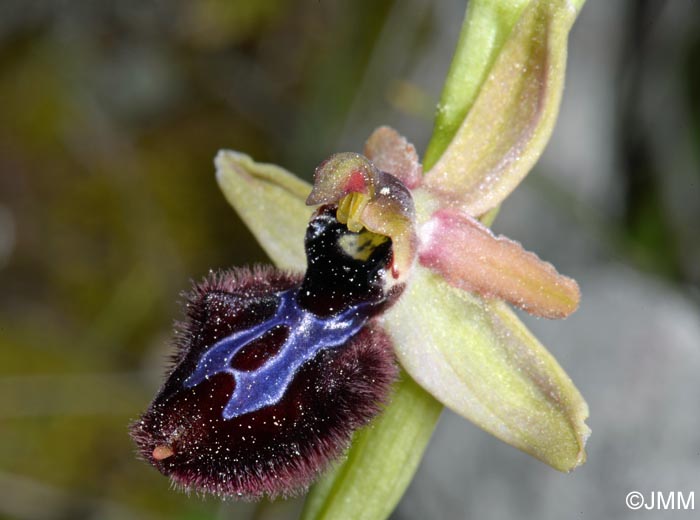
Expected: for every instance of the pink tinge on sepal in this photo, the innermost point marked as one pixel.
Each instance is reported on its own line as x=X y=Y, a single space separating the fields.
x=469 y=256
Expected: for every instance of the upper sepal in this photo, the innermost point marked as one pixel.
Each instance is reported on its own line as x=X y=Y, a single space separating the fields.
x=507 y=127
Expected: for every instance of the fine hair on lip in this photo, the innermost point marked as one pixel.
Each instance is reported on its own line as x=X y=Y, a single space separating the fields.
x=274 y=438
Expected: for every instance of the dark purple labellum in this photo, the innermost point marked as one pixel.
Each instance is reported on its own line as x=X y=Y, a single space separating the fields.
x=275 y=372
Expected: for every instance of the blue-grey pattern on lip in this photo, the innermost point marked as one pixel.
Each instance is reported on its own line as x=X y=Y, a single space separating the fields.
x=308 y=334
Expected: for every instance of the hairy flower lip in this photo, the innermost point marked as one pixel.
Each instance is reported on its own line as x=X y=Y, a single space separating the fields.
x=343 y=368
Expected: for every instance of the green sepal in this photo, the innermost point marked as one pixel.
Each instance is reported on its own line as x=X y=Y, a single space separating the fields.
x=476 y=357
x=270 y=201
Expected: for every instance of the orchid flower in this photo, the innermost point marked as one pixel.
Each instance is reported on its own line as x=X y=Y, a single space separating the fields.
x=457 y=340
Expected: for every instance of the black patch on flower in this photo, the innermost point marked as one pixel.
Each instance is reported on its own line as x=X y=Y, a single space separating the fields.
x=334 y=279
x=273 y=372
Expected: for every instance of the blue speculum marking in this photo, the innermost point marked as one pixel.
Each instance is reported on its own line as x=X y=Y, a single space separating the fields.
x=308 y=334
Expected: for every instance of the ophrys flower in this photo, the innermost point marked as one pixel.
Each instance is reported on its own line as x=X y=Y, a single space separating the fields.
x=450 y=329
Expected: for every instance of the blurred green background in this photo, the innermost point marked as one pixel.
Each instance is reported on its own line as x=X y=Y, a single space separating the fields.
x=111 y=114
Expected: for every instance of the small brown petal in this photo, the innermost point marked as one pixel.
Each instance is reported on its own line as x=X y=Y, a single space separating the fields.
x=469 y=256
x=510 y=122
